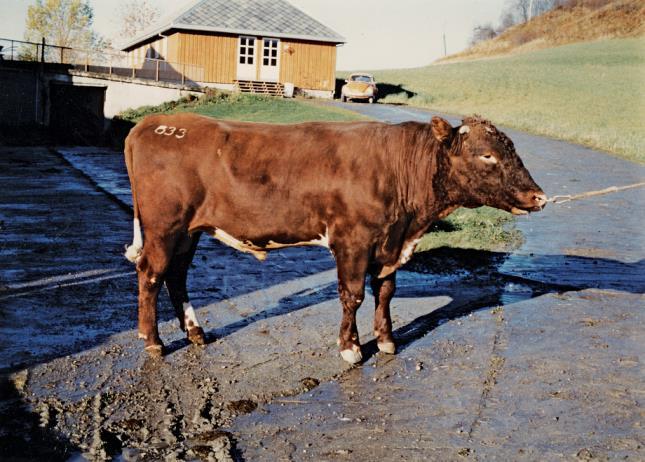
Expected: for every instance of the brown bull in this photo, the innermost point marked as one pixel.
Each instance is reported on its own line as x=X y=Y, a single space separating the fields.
x=368 y=191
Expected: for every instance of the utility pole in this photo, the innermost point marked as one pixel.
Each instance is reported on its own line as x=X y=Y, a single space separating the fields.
x=530 y=9
x=445 y=50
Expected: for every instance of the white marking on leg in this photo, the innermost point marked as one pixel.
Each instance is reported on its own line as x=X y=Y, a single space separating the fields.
x=143 y=336
x=190 y=319
x=133 y=252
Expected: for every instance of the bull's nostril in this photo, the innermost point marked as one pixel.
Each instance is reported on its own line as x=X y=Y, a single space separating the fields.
x=540 y=199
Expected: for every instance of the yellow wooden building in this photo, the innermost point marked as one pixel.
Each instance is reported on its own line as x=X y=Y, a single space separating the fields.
x=241 y=43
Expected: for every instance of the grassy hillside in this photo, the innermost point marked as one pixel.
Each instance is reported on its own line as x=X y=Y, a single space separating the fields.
x=577 y=21
x=589 y=93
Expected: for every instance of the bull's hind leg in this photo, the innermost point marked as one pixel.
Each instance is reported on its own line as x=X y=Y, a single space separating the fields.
x=352 y=268
x=151 y=268
x=383 y=290
x=176 y=285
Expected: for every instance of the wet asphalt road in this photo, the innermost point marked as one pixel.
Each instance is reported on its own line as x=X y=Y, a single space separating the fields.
x=539 y=355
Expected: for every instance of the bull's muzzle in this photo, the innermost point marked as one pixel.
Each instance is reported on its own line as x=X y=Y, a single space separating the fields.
x=539 y=198
x=531 y=201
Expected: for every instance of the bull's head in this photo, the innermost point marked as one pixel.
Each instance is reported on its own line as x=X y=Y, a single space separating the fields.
x=485 y=167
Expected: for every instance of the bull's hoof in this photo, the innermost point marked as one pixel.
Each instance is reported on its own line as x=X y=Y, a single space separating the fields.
x=387 y=347
x=154 y=351
x=196 y=336
x=352 y=356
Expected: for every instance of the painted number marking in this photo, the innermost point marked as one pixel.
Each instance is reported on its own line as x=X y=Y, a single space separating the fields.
x=170 y=131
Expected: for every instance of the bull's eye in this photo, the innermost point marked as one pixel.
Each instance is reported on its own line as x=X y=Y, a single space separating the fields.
x=488 y=159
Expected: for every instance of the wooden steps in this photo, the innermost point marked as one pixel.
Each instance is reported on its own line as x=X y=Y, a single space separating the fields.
x=260 y=87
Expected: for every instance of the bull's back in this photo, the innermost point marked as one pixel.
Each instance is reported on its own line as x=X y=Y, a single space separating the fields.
x=247 y=177
x=188 y=135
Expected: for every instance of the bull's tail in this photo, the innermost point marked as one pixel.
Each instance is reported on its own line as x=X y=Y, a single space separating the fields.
x=133 y=251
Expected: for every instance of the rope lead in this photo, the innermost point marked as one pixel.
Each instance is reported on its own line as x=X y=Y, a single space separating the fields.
x=612 y=189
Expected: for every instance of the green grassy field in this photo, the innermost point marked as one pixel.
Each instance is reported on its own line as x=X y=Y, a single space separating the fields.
x=484 y=228
x=589 y=93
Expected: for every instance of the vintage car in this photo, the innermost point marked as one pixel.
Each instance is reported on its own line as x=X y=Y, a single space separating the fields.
x=359 y=86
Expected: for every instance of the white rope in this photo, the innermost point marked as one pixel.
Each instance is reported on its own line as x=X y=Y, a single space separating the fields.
x=611 y=189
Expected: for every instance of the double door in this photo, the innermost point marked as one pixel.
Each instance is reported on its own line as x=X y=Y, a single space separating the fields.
x=258 y=59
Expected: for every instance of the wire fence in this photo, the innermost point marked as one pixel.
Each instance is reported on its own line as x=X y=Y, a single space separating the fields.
x=109 y=64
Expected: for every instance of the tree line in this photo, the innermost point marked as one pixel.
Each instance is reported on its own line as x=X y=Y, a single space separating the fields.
x=69 y=23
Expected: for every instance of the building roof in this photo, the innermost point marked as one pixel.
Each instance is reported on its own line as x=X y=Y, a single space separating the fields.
x=271 y=18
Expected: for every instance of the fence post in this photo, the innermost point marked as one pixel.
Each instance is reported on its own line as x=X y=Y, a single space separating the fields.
x=157 y=71
x=87 y=62
x=61 y=55
x=12 y=50
x=42 y=51
x=183 y=73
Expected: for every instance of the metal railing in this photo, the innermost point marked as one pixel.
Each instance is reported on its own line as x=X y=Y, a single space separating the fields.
x=125 y=65
x=19 y=50
x=109 y=64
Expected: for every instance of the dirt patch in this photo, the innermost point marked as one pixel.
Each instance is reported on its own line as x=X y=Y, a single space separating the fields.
x=589 y=252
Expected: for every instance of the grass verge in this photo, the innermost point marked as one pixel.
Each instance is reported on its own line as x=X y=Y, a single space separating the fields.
x=589 y=93
x=246 y=107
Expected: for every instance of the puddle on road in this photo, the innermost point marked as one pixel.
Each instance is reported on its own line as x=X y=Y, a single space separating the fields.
x=514 y=293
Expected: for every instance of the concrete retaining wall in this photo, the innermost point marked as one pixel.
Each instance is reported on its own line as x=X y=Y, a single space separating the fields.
x=127 y=94
x=25 y=90
x=20 y=97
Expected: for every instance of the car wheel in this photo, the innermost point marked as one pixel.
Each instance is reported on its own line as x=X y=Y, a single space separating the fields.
x=343 y=98
x=371 y=100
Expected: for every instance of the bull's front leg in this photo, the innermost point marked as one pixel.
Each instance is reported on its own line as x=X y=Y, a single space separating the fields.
x=352 y=267
x=383 y=290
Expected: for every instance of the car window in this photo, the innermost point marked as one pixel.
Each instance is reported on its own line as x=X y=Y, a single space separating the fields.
x=361 y=78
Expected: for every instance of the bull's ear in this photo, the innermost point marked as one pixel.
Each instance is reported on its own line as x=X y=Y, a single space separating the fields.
x=441 y=129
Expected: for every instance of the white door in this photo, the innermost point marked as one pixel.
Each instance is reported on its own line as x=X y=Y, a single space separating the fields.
x=270 y=64
x=246 y=61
